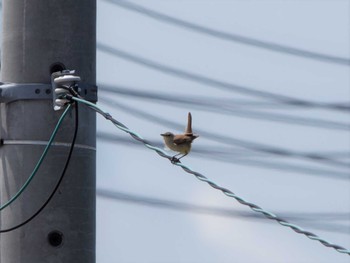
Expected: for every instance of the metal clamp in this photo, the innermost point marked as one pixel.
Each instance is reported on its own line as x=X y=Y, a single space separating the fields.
x=63 y=83
x=10 y=92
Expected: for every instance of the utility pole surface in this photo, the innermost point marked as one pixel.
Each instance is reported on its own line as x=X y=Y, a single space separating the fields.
x=41 y=37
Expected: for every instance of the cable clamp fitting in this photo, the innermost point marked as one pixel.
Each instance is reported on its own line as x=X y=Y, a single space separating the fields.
x=64 y=85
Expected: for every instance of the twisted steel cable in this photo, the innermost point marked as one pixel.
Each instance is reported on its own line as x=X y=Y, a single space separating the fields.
x=203 y=178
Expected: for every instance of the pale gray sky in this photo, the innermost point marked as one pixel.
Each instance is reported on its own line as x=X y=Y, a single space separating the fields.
x=128 y=232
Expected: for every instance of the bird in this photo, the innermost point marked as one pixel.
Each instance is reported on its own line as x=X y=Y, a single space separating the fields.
x=180 y=143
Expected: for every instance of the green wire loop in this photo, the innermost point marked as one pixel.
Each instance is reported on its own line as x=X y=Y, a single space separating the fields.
x=37 y=166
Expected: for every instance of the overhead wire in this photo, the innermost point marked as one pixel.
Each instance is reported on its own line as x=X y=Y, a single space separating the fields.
x=203 y=178
x=40 y=161
x=258 y=43
x=318 y=220
x=201 y=149
x=227 y=140
x=334 y=106
x=191 y=101
x=248 y=159
x=203 y=100
x=62 y=176
x=236 y=151
x=214 y=83
x=199 y=100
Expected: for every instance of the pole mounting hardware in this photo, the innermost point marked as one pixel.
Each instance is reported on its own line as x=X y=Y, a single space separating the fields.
x=10 y=92
x=63 y=83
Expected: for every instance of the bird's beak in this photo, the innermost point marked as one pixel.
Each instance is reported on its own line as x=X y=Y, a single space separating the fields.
x=162 y=134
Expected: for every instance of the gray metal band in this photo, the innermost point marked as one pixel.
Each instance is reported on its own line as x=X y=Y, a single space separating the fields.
x=10 y=92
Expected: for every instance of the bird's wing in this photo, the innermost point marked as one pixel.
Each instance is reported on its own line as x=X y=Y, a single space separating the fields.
x=180 y=139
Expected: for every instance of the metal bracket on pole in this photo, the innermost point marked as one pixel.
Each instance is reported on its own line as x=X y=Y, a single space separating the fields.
x=10 y=92
x=63 y=83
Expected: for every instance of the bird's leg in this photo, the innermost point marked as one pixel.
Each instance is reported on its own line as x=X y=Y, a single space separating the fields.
x=182 y=156
x=174 y=159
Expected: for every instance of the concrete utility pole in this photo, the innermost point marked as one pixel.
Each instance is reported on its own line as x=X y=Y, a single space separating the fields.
x=41 y=37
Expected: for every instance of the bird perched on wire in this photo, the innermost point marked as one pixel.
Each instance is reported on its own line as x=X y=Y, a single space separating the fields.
x=180 y=143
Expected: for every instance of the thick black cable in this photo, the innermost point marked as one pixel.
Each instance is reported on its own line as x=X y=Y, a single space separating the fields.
x=58 y=182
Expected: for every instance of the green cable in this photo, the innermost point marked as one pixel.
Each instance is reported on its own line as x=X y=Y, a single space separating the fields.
x=86 y=102
x=37 y=166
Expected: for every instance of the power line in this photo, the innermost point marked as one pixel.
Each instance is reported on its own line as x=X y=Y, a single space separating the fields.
x=227 y=103
x=63 y=173
x=236 y=158
x=229 y=36
x=40 y=161
x=318 y=220
x=230 y=140
x=215 y=83
x=212 y=184
x=235 y=151
x=212 y=106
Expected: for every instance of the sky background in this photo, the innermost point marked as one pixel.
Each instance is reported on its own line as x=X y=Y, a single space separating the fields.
x=271 y=125
x=310 y=193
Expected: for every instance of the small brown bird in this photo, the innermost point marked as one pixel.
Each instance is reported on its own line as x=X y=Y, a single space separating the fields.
x=180 y=143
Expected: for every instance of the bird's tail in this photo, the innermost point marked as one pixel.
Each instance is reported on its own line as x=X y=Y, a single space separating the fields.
x=189 y=124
